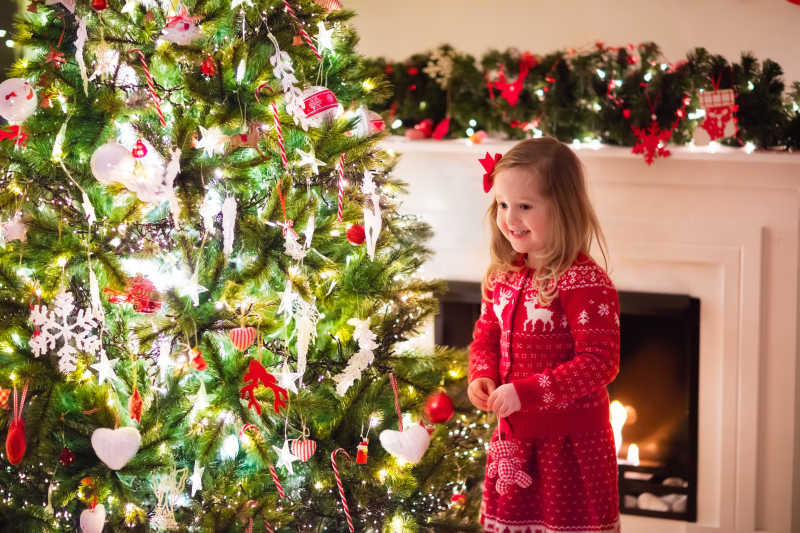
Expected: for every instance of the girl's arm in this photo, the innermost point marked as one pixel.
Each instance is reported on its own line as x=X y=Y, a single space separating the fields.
x=591 y=304
x=484 y=352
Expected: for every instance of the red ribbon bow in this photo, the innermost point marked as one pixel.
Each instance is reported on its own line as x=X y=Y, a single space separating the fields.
x=488 y=162
x=14 y=132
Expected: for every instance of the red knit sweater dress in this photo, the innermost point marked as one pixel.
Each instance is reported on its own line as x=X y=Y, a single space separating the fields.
x=560 y=359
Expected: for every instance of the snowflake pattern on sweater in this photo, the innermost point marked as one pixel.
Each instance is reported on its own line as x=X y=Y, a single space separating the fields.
x=560 y=358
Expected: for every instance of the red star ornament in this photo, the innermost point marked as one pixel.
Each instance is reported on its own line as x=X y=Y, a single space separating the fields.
x=652 y=141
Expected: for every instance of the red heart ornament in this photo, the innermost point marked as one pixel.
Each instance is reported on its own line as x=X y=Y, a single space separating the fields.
x=303 y=449
x=243 y=338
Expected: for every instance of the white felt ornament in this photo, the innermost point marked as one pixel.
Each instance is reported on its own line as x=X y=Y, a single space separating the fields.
x=111 y=162
x=283 y=70
x=17 y=100
x=212 y=205
x=80 y=42
x=64 y=323
x=228 y=223
x=361 y=359
x=106 y=60
x=292 y=246
x=93 y=520
x=306 y=316
x=115 y=447
x=14 y=229
x=409 y=444
x=372 y=213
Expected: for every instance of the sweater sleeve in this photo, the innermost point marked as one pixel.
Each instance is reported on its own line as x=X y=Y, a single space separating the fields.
x=591 y=306
x=484 y=351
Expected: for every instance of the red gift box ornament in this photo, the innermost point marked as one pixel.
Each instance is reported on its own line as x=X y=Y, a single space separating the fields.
x=303 y=449
x=15 y=440
x=243 y=338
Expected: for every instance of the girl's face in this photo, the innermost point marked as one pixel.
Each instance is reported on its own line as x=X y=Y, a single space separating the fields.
x=524 y=216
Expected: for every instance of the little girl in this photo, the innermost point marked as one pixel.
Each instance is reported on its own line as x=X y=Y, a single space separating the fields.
x=544 y=349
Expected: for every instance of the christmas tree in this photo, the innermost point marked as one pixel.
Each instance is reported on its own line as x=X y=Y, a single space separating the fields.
x=208 y=296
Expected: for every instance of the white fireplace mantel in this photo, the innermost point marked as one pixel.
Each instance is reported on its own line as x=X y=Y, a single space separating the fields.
x=723 y=227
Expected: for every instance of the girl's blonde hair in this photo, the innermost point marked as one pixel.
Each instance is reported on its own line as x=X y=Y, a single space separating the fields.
x=574 y=222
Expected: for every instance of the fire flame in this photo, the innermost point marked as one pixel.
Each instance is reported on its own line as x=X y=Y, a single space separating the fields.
x=618 y=416
x=633 y=454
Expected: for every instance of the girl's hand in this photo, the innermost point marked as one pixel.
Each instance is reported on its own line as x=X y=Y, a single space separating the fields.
x=479 y=390
x=504 y=400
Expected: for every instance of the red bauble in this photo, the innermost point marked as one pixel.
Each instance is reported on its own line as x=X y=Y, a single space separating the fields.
x=458 y=500
x=15 y=441
x=209 y=67
x=99 y=5
x=439 y=407
x=356 y=234
x=140 y=150
x=67 y=457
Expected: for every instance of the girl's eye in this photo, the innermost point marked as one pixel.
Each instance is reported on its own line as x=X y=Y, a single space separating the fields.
x=525 y=207
x=502 y=205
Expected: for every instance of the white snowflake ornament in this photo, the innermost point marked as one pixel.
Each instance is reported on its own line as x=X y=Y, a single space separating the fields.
x=361 y=359
x=62 y=323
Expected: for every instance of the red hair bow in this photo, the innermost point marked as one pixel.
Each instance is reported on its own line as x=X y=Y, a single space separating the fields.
x=488 y=162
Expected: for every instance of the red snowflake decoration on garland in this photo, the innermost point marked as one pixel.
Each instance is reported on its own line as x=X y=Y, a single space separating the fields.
x=652 y=141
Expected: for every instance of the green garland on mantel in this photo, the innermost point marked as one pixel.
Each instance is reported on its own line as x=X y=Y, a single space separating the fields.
x=599 y=93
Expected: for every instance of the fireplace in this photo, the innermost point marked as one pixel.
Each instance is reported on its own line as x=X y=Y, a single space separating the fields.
x=654 y=397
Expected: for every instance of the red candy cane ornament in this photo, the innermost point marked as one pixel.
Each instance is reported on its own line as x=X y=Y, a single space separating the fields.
x=341 y=489
x=277 y=481
x=340 y=196
x=151 y=86
x=305 y=35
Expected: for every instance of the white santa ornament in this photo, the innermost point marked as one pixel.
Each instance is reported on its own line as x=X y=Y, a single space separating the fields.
x=182 y=29
x=17 y=100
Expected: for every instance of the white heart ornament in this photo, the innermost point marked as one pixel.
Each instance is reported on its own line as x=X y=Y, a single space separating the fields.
x=115 y=447
x=93 y=520
x=409 y=444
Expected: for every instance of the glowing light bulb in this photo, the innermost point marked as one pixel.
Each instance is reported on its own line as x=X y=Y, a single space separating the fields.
x=230 y=447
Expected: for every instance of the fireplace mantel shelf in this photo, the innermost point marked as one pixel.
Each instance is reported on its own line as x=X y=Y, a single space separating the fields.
x=721 y=153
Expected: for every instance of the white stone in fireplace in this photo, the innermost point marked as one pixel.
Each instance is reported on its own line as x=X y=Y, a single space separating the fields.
x=724 y=228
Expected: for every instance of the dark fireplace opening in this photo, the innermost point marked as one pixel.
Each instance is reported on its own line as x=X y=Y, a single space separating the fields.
x=656 y=389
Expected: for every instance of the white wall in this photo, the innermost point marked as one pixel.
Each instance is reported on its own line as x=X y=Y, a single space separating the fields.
x=397 y=28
